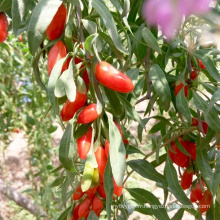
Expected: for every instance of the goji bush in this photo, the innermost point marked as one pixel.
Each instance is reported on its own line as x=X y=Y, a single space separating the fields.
x=103 y=58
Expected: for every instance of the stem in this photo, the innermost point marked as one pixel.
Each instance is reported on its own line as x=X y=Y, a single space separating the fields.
x=163 y=145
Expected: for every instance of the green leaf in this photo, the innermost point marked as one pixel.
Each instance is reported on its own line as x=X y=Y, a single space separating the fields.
x=209 y=88
x=145 y=169
x=216 y=174
x=208 y=63
x=178 y=215
x=173 y=183
x=133 y=150
x=145 y=196
x=133 y=75
x=204 y=143
x=20 y=8
x=60 y=85
x=6 y=4
x=117 y=5
x=81 y=130
x=52 y=81
x=157 y=127
x=41 y=18
x=77 y=3
x=109 y=187
x=87 y=177
x=36 y=70
x=182 y=105
x=109 y=23
x=90 y=41
x=70 y=86
x=214 y=99
x=64 y=214
x=211 y=117
x=92 y=216
x=67 y=148
x=114 y=102
x=204 y=167
x=117 y=152
x=58 y=181
x=151 y=40
x=130 y=110
x=160 y=85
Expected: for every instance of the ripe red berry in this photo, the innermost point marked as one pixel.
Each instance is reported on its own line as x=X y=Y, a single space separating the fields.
x=3 y=27
x=179 y=87
x=88 y=114
x=194 y=75
x=205 y=202
x=56 y=27
x=97 y=205
x=195 y=122
x=112 y=78
x=101 y=161
x=177 y=156
x=85 y=206
x=101 y=190
x=196 y=192
x=202 y=65
x=187 y=178
x=91 y=191
x=57 y=52
x=84 y=144
x=70 y=108
x=75 y=212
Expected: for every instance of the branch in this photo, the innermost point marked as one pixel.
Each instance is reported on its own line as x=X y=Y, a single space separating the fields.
x=21 y=200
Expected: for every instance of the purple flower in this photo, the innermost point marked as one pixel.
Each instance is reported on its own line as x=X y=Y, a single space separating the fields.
x=168 y=13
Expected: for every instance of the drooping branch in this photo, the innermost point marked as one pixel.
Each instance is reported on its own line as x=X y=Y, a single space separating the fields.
x=21 y=200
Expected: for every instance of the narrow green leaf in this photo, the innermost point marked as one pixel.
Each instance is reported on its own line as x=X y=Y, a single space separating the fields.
x=70 y=86
x=133 y=150
x=117 y=152
x=204 y=143
x=109 y=187
x=6 y=4
x=117 y=5
x=214 y=99
x=109 y=23
x=36 y=70
x=58 y=181
x=20 y=8
x=60 y=85
x=64 y=214
x=92 y=216
x=52 y=81
x=145 y=169
x=41 y=18
x=216 y=174
x=204 y=167
x=145 y=196
x=77 y=3
x=81 y=130
x=160 y=85
x=133 y=74
x=114 y=102
x=67 y=148
x=89 y=42
x=151 y=40
x=208 y=63
x=178 y=215
x=174 y=184
x=182 y=105
x=211 y=117
x=157 y=127
x=130 y=110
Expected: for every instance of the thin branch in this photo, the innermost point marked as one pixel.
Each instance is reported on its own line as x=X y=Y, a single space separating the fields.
x=21 y=200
